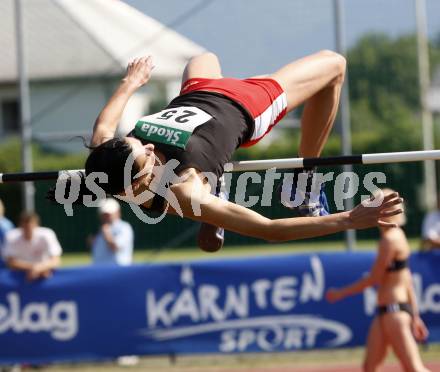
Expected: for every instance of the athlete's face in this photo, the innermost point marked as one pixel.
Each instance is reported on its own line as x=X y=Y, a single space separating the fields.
x=144 y=159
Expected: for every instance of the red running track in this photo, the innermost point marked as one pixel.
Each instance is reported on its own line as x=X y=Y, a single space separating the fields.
x=388 y=367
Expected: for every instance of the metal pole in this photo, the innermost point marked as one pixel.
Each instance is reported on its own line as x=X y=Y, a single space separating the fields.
x=430 y=184
x=25 y=109
x=338 y=6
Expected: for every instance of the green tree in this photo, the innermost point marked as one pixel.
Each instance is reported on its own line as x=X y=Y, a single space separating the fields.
x=384 y=92
x=10 y=161
x=380 y=66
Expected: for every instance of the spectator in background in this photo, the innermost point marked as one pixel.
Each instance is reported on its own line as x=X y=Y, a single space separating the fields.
x=113 y=245
x=31 y=248
x=431 y=229
x=114 y=242
x=397 y=323
x=5 y=225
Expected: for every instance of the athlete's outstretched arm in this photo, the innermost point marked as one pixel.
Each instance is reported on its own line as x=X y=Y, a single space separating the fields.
x=244 y=221
x=138 y=74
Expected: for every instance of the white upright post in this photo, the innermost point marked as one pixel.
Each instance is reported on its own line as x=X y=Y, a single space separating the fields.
x=430 y=184
x=350 y=235
x=25 y=108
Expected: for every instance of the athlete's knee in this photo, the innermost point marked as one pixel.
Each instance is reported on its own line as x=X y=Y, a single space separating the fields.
x=337 y=65
x=337 y=58
x=206 y=56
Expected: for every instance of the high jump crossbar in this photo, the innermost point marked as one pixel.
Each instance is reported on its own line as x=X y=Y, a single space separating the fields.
x=261 y=165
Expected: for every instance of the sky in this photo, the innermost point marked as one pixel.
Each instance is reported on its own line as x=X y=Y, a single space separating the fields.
x=259 y=36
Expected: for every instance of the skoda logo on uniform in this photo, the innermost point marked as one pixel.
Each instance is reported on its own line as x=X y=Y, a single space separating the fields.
x=172 y=126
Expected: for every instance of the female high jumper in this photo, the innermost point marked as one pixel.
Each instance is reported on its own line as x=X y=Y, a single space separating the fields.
x=206 y=123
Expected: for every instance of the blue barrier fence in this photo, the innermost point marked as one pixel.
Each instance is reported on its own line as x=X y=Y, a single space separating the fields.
x=262 y=304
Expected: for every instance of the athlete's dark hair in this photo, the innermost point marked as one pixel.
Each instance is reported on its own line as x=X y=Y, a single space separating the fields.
x=109 y=158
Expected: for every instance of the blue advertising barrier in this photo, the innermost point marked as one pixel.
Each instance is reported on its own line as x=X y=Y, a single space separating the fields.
x=262 y=304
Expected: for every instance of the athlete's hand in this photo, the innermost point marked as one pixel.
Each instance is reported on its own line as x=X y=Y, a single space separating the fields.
x=139 y=71
x=419 y=329
x=333 y=295
x=374 y=211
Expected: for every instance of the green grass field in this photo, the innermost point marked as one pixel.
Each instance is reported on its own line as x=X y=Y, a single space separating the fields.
x=193 y=253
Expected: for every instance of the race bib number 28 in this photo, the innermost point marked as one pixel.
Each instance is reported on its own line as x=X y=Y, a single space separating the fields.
x=172 y=126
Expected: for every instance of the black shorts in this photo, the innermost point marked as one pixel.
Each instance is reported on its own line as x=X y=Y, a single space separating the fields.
x=394 y=308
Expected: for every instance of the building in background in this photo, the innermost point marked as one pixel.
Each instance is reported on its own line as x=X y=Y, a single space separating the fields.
x=77 y=51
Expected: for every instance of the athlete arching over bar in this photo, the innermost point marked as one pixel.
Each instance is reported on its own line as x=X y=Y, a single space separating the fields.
x=216 y=116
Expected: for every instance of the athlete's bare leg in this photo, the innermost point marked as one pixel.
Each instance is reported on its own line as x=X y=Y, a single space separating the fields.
x=205 y=65
x=397 y=327
x=315 y=80
x=376 y=349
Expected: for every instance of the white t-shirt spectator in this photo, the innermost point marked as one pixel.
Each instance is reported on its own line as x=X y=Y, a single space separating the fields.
x=43 y=245
x=431 y=226
x=123 y=236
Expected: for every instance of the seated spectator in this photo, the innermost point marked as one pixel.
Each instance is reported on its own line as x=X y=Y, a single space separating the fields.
x=31 y=248
x=114 y=242
x=431 y=229
x=5 y=225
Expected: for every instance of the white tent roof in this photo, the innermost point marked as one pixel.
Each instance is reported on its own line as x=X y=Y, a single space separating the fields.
x=81 y=38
